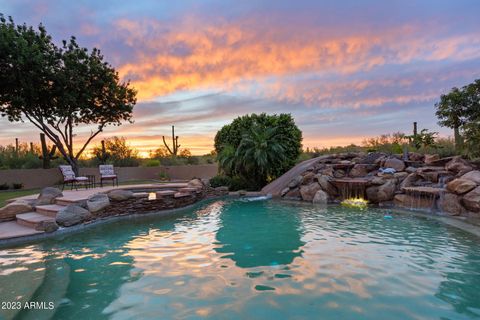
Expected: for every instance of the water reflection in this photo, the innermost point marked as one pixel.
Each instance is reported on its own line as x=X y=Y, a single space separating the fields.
x=258 y=234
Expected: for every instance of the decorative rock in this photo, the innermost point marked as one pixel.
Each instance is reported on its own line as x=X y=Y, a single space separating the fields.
x=293 y=194
x=326 y=185
x=284 y=192
x=48 y=196
x=308 y=178
x=327 y=172
x=395 y=163
x=472 y=176
x=97 y=202
x=450 y=203
x=472 y=200
x=431 y=158
x=308 y=192
x=358 y=170
x=120 y=195
x=196 y=183
x=47 y=226
x=9 y=211
x=408 y=201
x=461 y=186
x=295 y=182
x=400 y=176
x=377 y=181
x=72 y=215
x=411 y=169
x=372 y=157
x=321 y=197
x=385 y=192
x=458 y=165
x=409 y=181
x=339 y=174
x=414 y=156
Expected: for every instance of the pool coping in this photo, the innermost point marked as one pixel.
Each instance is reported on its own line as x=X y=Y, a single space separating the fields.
x=12 y=242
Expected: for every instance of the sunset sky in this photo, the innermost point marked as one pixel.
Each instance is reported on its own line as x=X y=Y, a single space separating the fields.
x=345 y=70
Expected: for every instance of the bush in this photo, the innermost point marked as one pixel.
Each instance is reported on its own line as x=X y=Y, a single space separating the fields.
x=4 y=186
x=220 y=181
x=163 y=176
x=241 y=183
x=17 y=186
x=151 y=163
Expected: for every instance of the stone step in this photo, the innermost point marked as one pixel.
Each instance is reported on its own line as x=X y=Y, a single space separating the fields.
x=49 y=209
x=32 y=219
x=181 y=194
x=12 y=229
x=165 y=193
x=65 y=201
x=188 y=190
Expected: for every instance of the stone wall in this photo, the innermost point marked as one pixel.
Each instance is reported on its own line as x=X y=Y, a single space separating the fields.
x=40 y=178
x=448 y=185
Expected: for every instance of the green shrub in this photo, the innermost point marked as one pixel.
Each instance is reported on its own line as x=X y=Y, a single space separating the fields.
x=242 y=183
x=163 y=176
x=4 y=186
x=220 y=181
x=17 y=186
x=151 y=163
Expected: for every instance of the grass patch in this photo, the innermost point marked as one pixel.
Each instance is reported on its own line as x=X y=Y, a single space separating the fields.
x=6 y=195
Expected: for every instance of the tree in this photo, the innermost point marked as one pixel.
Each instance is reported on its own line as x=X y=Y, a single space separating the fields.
x=119 y=152
x=258 y=147
x=460 y=110
x=260 y=151
x=59 y=88
x=451 y=112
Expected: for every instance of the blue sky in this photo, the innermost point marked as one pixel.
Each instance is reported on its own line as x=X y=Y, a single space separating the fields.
x=345 y=71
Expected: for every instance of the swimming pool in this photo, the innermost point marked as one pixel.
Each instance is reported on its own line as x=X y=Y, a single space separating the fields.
x=231 y=259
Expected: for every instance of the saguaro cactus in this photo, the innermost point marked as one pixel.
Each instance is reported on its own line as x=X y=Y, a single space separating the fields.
x=175 y=145
x=47 y=154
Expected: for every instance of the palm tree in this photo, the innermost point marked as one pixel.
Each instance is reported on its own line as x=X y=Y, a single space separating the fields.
x=260 y=150
x=227 y=160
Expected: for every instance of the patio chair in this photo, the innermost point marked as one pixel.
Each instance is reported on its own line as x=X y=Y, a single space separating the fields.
x=107 y=172
x=69 y=177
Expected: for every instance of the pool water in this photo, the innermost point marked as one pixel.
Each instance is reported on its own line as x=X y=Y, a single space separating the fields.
x=232 y=259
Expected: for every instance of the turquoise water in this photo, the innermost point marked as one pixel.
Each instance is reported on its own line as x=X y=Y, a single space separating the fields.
x=229 y=259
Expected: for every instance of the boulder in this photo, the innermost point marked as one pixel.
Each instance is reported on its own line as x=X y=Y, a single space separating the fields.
x=400 y=176
x=72 y=215
x=97 y=202
x=358 y=170
x=308 y=178
x=321 y=197
x=371 y=157
x=327 y=171
x=384 y=192
x=284 y=191
x=461 y=186
x=295 y=181
x=308 y=192
x=47 y=226
x=48 y=196
x=379 y=180
x=458 y=165
x=411 y=169
x=472 y=176
x=339 y=173
x=450 y=203
x=431 y=158
x=9 y=211
x=326 y=185
x=293 y=194
x=414 y=156
x=471 y=200
x=196 y=183
x=409 y=181
x=120 y=195
x=394 y=163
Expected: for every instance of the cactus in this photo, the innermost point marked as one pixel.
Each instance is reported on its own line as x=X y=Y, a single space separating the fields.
x=47 y=155
x=175 y=145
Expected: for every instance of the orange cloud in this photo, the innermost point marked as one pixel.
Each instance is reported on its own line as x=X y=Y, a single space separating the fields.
x=195 y=54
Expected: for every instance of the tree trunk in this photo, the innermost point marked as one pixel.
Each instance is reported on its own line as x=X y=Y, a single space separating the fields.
x=458 y=140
